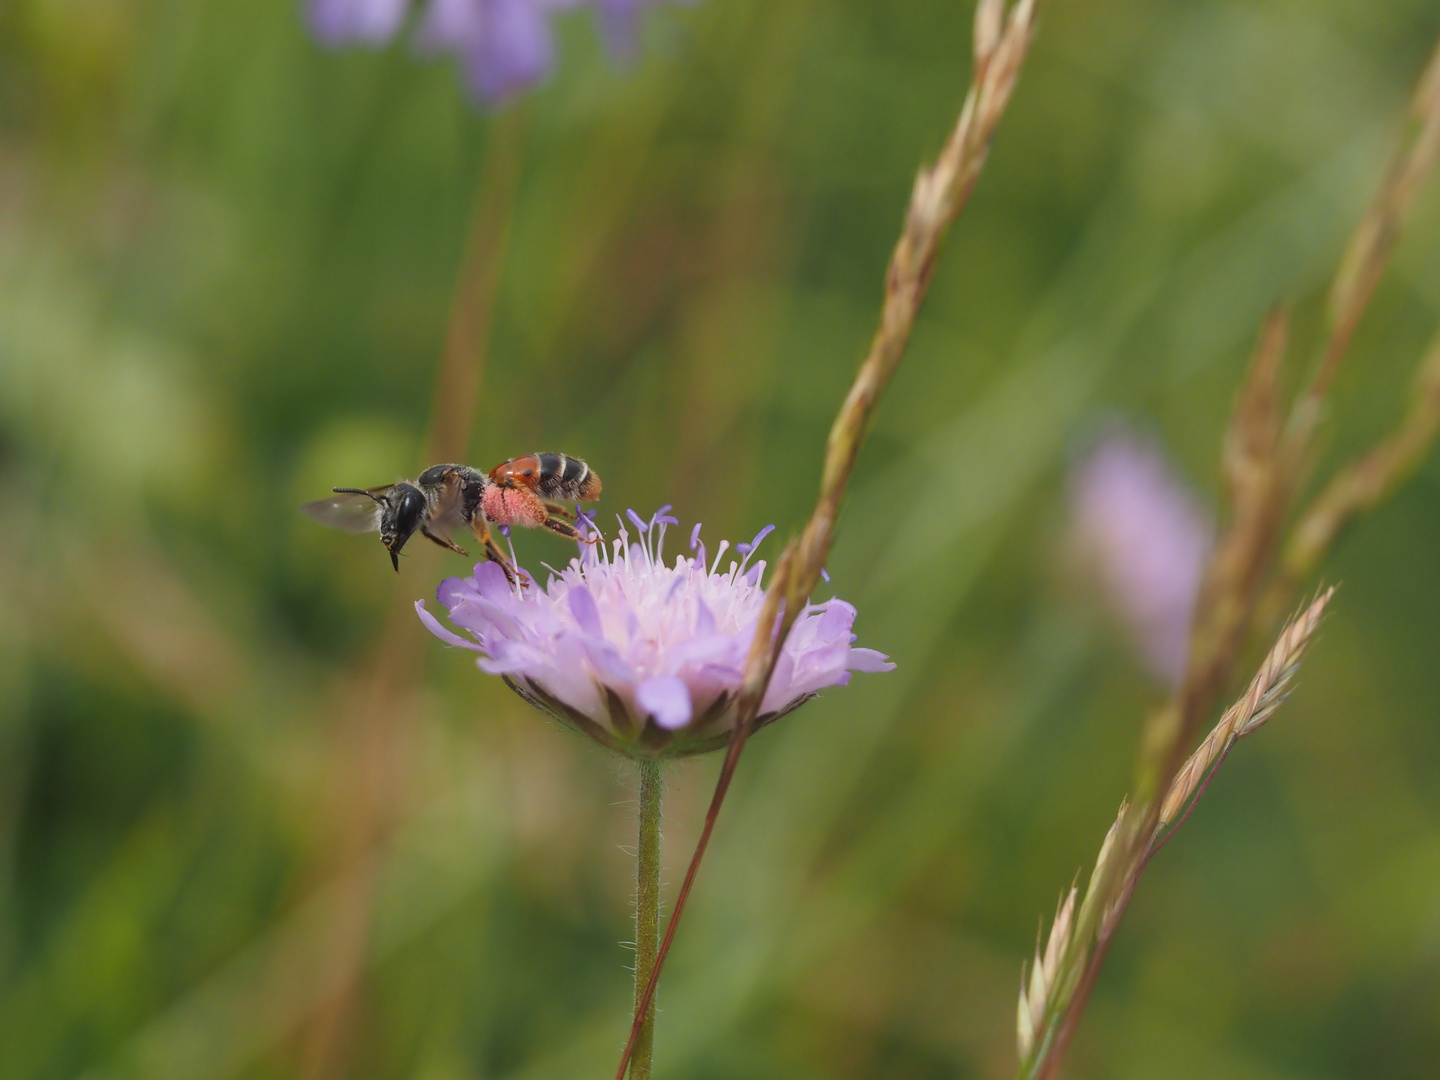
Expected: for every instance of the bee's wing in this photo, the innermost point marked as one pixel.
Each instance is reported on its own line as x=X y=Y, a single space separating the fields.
x=348 y=510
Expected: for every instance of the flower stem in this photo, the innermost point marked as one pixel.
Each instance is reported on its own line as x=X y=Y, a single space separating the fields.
x=647 y=910
x=940 y=193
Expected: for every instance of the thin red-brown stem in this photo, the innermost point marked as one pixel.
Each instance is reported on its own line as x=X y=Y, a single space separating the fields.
x=1081 y=997
x=940 y=193
x=749 y=705
x=1220 y=760
x=1087 y=983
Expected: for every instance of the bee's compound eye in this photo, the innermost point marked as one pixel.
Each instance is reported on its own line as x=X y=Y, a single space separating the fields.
x=409 y=512
x=405 y=514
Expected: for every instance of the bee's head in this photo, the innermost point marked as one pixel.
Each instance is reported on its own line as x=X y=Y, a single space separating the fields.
x=403 y=511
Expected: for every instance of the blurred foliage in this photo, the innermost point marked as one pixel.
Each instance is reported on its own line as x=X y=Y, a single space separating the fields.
x=254 y=822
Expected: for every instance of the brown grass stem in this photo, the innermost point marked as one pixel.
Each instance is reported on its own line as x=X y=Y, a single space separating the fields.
x=1374 y=241
x=1263 y=465
x=746 y=719
x=1236 y=569
x=1263 y=462
x=1359 y=487
x=1001 y=42
x=375 y=735
x=467 y=332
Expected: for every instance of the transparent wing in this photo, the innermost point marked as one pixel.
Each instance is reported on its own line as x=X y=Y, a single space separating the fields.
x=348 y=510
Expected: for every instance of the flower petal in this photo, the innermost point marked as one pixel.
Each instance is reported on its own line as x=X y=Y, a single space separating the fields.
x=490 y=579
x=667 y=699
x=582 y=606
x=779 y=693
x=442 y=632
x=718 y=650
x=486 y=617
x=704 y=619
x=371 y=22
x=616 y=636
x=454 y=591
x=607 y=662
x=869 y=660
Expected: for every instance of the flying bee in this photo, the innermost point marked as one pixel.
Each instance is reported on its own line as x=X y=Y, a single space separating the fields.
x=526 y=491
x=532 y=491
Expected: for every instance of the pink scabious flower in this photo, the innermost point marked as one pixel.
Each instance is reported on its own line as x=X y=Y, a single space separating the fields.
x=504 y=46
x=644 y=656
x=1148 y=538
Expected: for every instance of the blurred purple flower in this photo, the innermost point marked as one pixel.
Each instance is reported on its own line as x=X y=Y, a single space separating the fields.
x=620 y=22
x=504 y=45
x=644 y=657
x=1148 y=537
x=344 y=22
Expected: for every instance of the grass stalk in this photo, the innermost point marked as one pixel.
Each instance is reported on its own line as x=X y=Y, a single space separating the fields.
x=1264 y=462
x=376 y=734
x=1061 y=979
x=1001 y=43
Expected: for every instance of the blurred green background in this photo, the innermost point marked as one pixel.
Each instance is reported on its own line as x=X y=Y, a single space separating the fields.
x=255 y=822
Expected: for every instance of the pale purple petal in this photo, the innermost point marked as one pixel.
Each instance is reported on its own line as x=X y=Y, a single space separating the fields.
x=779 y=693
x=492 y=583
x=869 y=661
x=704 y=620
x=504 y=45
x=568 y=678
x=609 y=665
x=667 y=699
x=347 y=22
x=1149 y=539
x=582 y=606
x=515 y=658
x=439 y=630
x=619 y=629
x=717 y=650
x=836 y=619
x=818 y=669
x=619 y=23
x=448 y=24
x=452 y=592
x=514 y=51
x=486 y=617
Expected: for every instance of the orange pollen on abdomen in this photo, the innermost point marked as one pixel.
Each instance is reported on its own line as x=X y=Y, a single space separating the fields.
x=513 y=506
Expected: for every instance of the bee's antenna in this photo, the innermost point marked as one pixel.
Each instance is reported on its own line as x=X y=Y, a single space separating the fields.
x=355 y=491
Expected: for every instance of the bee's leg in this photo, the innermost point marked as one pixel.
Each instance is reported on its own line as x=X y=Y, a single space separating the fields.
x=555 y=509
x=481 y=528
x=445 y=543
x=565 y=529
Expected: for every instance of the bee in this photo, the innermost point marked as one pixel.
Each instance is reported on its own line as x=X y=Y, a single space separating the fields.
x=526 y=491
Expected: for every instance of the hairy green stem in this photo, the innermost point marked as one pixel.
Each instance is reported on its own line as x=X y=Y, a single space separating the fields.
x=647 y=910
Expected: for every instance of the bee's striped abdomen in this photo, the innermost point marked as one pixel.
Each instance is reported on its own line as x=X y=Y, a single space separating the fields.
x=566 y=479
x=575 y=472
x=557 y=477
